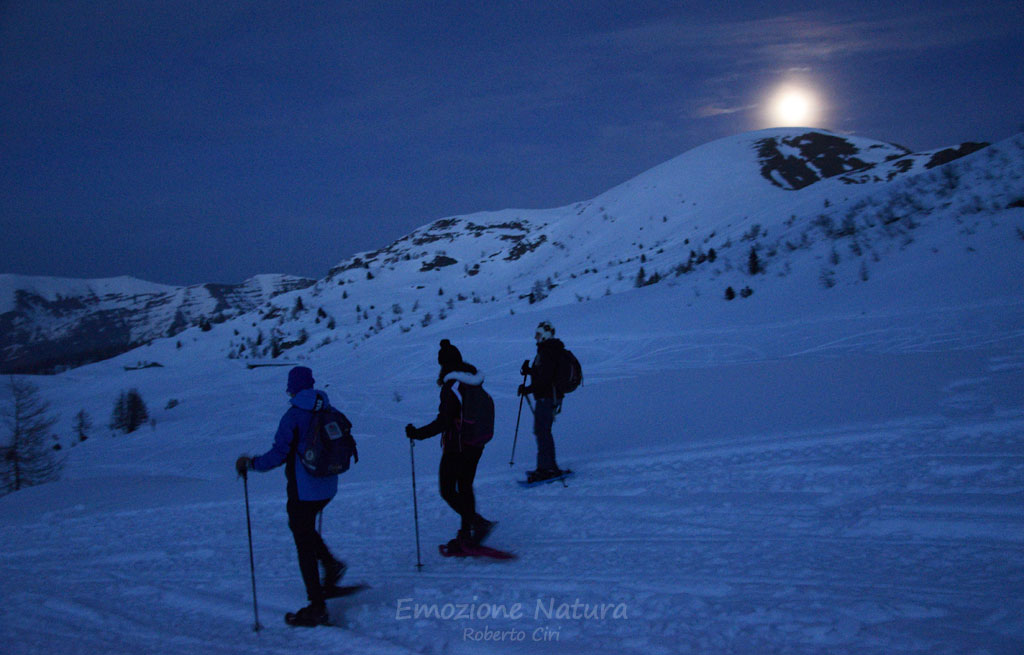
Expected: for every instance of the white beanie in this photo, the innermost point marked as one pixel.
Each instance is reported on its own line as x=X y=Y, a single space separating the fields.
x=545 y=331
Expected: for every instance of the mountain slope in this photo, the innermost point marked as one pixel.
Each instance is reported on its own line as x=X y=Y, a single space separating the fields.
x=780 y=197
x=810 y=469
x=832 y=463
x=49 y=324
x=697 y=221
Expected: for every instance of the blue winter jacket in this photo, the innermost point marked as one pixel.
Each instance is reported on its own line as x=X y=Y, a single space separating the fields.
x=293 y=426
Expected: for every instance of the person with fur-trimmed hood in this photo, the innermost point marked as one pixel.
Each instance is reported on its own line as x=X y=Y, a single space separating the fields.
x=546 y=399
x=465 y=420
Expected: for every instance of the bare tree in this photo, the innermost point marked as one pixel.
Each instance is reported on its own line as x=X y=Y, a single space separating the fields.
x=28 y=454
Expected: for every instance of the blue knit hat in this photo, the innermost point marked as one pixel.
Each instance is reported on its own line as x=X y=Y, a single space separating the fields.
x=300 y=378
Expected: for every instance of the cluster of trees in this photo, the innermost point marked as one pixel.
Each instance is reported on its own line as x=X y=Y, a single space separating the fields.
x=29 y=447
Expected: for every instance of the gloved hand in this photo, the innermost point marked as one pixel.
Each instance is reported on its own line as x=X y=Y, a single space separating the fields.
x=410 y=431
x=525 y=370
x=523 y=390
x=243 y=465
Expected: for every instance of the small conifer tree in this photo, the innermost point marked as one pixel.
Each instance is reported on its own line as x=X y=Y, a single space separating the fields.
x=754 y=262
x=129 y=412
x=83 y=425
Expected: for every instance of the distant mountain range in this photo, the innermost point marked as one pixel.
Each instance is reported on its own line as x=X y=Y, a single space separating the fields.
x=50 y=324
x=726 y=217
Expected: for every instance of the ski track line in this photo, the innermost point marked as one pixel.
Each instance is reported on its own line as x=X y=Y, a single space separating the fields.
x=733 y=536
x=935 y=427
x=825 y=579
x=192 y=609
x=101 y=620
x=754 y=485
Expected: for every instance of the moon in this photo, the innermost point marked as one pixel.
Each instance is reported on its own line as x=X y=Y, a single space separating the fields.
x=793 y=106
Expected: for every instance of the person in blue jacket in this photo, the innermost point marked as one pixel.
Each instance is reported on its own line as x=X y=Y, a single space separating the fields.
x=307 y=495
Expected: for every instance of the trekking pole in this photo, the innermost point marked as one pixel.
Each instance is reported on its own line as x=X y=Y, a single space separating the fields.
x=415 y=506
x=512 y=459
x=252 y=565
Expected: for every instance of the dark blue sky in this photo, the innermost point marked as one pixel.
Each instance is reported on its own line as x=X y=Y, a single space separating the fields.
x=203 y=141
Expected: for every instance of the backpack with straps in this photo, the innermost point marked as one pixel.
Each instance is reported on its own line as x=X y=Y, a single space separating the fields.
x=476 y=422
x=568 y=373
x=328 y=446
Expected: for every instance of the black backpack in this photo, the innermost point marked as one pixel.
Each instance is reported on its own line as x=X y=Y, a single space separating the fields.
x=476 y=423
x=568 y=373
x=328 y=447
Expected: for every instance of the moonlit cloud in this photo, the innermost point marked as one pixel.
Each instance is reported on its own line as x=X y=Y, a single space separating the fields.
x=813 y=35
x=709 y=111
x=743 y=52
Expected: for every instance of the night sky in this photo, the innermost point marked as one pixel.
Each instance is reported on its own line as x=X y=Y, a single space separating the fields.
x=187 y=142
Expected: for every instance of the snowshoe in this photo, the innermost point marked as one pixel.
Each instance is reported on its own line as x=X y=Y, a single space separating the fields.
x=463 y=547
x=310 y=616
x=452 y=549
x=545 y=475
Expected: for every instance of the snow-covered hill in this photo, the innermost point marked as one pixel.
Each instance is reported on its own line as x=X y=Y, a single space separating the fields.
x=775 y=191
x=833 y=462
x=793 y=197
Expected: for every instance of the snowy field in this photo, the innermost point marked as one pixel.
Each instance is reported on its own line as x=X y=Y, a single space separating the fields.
x=847 y=483
x=807 y=470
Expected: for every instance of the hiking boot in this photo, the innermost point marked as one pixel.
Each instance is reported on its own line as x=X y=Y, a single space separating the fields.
x=465 y=537
x=333 y=572
x=481 y=529
x=309 y=616
x=453 y=546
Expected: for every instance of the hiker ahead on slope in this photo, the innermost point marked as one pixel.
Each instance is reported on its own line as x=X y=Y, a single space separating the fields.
x=547 y=399
x=465 y=420
x=307 y=494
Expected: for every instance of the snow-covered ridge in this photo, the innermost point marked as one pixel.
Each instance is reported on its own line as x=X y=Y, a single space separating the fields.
x=683 y=201
x=50 y=323
x=785 y=194
x=54 y=289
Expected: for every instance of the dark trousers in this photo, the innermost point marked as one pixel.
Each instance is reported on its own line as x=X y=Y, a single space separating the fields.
x=458 y=469
x=310 y=548
x=543 y=419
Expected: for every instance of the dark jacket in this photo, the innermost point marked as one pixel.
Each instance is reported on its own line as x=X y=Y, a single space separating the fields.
x=542 y=372
x=293 y=426
x=449 y=410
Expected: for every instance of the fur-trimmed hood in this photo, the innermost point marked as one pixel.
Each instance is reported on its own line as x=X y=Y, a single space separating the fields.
x=465 y=377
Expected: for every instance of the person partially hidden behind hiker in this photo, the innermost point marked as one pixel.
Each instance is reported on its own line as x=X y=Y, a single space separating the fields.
x=546 y=399
x=465 y=420
x=307 y=495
